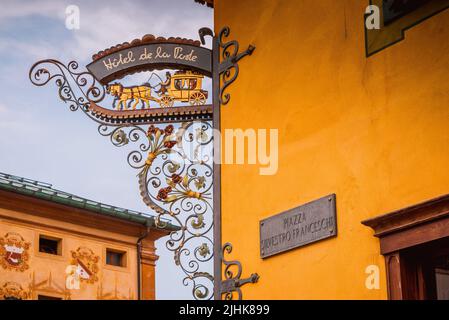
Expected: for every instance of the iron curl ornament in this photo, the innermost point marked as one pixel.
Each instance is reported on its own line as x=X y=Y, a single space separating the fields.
x=229 y=67
x=232 y=279
x=78 y=88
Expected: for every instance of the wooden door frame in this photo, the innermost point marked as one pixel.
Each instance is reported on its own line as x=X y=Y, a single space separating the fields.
x=403 y=234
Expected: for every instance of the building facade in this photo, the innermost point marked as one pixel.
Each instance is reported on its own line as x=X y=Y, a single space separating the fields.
x=55 y=245
x=360 y=113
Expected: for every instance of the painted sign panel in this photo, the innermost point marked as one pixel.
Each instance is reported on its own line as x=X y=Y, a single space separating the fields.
x=151 y=56
x=297 y=227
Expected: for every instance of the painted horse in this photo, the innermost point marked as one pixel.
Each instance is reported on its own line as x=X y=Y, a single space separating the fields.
x=123 y=95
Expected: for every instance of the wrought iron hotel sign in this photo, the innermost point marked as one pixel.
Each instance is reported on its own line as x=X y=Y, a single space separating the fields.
x=169 y=127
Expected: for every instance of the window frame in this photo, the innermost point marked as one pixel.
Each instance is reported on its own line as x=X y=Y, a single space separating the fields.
x=125 y=258
x=51 y=236
x=405 y=235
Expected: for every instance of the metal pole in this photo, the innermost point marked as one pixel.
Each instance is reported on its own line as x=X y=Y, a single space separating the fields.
x=217 y=167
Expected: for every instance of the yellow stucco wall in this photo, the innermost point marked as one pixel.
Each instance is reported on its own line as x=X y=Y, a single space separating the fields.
x=116 y=282
x=372 y=130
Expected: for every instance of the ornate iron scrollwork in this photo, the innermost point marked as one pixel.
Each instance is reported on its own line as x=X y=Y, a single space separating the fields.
x=175 y=169
x=232 y=282
x=78 y=88
x=175 y=181
x=229 y=68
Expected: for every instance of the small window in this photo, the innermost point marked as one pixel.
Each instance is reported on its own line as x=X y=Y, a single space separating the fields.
x=115 y=258
x=42 y=297
x=50 y=245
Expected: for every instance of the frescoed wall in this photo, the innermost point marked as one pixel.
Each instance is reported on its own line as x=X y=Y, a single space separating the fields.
x=41 y=273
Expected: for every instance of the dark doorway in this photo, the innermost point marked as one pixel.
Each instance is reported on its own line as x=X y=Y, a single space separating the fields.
x=426 y=270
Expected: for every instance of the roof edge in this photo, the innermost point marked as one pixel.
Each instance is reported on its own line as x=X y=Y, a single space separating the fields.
x=44 y=191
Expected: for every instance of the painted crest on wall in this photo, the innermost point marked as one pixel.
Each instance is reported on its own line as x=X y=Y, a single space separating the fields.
x=13 y=290
x=86 y=264
x=14 y=252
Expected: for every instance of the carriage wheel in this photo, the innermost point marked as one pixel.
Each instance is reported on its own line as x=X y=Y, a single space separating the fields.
x=197 y=99
x=166 y=102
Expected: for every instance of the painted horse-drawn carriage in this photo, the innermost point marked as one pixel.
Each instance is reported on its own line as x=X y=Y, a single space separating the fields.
x=182 y=86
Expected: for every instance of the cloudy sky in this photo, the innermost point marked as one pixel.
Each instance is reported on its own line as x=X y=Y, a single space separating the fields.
x=40 y=138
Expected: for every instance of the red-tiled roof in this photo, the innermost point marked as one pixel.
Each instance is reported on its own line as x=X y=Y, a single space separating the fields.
x=209 y=3
x=148 y=38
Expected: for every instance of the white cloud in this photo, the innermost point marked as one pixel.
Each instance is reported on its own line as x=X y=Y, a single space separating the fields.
x=125 y=21
x=13 y=9
x=18 y=125
x=103 y=25
x=37 y=50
